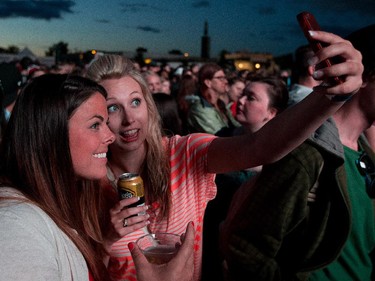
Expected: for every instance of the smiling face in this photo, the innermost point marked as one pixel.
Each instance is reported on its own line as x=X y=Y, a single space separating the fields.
x=89 y=137
x=253 y=108
x=128 y=115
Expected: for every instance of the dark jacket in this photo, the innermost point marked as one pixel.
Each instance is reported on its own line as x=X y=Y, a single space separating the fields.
x=272 y=232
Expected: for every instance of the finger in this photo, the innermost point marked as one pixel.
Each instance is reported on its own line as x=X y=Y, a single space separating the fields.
x=128 y=201
x=187 y=248
x=122 y=204
x=129 y=221
x=139 y=259
x=133 y=211
x=326 y=37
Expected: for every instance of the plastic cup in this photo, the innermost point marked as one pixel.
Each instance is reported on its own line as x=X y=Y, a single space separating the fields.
x=159 y=248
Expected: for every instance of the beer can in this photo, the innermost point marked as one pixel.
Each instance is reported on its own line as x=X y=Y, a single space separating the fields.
x=131 y=185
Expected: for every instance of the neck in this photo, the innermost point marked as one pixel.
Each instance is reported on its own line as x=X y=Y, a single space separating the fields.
x=225 y=98
x=128 y=162
x=351 y=123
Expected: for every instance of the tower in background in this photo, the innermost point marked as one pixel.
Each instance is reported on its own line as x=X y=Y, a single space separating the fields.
x=205 y=50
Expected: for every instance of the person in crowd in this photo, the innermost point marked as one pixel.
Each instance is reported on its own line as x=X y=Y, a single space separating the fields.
x=168 y=110
x=49 y=220
x=209 y=114
x=66 y=67
x=3 y=120
x=153 y=81
x=276 y=231
x=11 y=83
x=186 y=95
x=235 y=87
x=179 y=172
x=303 y=80
x=262 y=99
x=165 y=86
x=356 y=260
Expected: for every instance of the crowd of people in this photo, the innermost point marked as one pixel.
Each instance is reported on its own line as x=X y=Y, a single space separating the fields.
x=262 y=180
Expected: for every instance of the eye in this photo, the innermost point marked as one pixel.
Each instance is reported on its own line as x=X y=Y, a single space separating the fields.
x=250 y=98
x=112 y=108
x=95 y=126
x=136 y=102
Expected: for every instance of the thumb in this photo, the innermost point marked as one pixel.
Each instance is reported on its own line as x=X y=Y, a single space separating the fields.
x=137 y=255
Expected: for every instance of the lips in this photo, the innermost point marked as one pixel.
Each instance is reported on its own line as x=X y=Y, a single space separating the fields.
x=129 y=136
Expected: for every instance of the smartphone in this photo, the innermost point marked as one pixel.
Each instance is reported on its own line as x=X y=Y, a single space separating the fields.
x=308 y=22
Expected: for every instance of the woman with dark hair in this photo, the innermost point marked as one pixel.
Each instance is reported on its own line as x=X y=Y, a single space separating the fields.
x=53 y=154
x=54 y=146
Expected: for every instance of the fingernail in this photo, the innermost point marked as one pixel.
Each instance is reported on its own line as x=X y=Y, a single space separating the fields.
x=312 y=33
x=131 y=246
x=318 y=74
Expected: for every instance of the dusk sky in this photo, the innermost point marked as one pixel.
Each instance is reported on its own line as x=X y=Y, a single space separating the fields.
x=164 y=25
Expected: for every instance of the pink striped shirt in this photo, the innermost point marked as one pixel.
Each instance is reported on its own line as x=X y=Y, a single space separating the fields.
x=192 y=187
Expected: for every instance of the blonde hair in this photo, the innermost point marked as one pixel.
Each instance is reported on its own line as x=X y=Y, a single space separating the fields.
x=156 y=169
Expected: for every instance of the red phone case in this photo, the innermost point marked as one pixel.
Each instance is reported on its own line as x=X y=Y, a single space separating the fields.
x=308 y=22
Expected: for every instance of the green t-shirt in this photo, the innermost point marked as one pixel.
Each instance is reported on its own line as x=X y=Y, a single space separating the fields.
x=354 y=262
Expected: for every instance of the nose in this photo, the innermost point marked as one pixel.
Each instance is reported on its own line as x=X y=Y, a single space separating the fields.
x=127 y=118
x=241 y=100
x=110 y=137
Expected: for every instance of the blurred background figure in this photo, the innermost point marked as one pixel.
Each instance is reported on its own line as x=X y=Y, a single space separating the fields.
x=262 y=99
x=168 y=110
x=165 y=86
x=11 y=81
x=235 y=88
x=186 y=95
x=302 y=79
x=153 y=81
x=209 y=114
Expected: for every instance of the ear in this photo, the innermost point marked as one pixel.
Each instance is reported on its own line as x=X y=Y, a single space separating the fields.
x=273 y=112
x=310 y=70
x=208 y=83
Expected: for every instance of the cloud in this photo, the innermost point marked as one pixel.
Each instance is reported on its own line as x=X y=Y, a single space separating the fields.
x=201 y=4
x=133 y=8
x=139 y=7
x=149 y=29
x=362 y=7
x=42 y=9
x=102 y=21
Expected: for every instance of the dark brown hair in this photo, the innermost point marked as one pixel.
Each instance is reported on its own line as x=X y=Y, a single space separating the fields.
x=36 y=160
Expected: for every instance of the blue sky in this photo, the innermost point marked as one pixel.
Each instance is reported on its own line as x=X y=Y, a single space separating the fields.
x=162 y=25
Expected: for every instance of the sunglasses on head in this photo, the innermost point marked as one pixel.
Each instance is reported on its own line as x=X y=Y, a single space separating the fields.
x=367 y=169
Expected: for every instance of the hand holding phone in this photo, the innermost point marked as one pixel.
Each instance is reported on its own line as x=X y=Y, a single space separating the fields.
x=308 y=22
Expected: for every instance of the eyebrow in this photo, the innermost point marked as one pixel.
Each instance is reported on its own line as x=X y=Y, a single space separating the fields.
x=97 y=116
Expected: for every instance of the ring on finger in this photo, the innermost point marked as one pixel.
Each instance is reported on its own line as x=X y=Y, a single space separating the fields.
x=125 y=223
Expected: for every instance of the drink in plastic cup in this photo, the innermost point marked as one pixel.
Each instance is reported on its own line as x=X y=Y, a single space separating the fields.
x=159 y=248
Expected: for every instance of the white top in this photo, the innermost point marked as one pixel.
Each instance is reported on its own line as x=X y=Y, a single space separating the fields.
x=33 y=247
